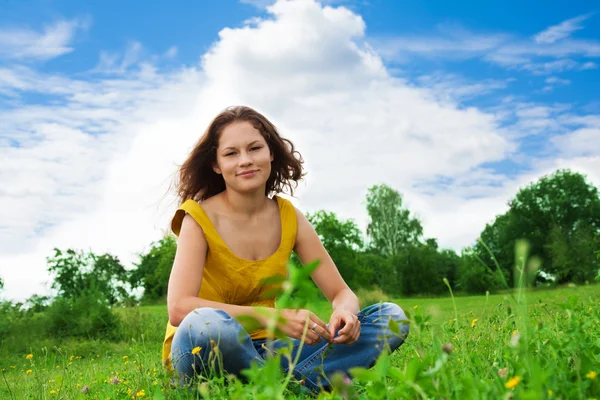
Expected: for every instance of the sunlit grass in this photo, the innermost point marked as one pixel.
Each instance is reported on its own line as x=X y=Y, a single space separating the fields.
x=482 y=355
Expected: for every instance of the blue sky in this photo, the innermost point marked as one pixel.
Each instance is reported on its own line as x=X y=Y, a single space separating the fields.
x=454 y=105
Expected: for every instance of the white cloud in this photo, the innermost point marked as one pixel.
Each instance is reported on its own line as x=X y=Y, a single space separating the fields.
x=93 y=166
x=52 y=42
x=560 y=31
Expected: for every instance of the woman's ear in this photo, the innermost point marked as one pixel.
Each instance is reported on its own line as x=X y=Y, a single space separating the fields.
x=216 y=168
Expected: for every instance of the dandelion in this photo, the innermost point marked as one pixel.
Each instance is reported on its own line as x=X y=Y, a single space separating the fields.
x=29 y=356
x=473 y=322
x=196 y=350
x=515 y=331
x=13 y=367
x=512 y=382
x=591 y=375
x=126 y=362
x=415 y=307
x=58 y=367
x=125 y=357
x=141 y=393
x=28 y=371
x=155 y=383
x=53 y=391
x=71 y=358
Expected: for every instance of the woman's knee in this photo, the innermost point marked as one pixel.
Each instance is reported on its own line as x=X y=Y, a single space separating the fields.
x=395 y=312
x=205 y=324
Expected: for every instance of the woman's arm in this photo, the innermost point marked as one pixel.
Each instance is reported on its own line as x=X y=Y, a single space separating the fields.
x=327 y=277
x=186 y=276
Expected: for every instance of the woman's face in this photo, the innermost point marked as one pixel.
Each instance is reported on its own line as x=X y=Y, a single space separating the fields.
x=243 y=157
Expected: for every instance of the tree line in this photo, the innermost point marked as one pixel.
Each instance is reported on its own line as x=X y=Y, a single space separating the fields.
x=559 y=216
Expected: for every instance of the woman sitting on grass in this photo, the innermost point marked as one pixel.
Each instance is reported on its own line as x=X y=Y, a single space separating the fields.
x=234 y=231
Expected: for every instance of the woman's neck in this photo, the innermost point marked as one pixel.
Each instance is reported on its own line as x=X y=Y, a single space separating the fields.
x=248 y=204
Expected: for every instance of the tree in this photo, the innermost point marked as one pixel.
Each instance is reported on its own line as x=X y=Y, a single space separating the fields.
x=334 y=232
x=475 y=277
x=559 y=215
x=343 y=240
x=572 y=255
x=391 y=228
x=77 y=272
x=1 y=284
x=153 y=270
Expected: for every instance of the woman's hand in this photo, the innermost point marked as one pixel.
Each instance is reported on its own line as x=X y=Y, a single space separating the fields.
x=296 y=322
x=350 y=325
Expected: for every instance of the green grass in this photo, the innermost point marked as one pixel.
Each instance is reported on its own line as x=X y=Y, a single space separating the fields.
x=556 y=356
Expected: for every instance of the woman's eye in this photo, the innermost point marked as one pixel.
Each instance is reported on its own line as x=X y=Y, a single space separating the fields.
x=256 y=148
x=229 y=154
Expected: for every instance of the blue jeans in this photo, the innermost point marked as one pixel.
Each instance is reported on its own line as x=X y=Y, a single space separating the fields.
x=238 y=351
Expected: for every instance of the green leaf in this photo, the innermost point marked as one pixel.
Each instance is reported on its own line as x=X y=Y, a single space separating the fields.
x=363 y=374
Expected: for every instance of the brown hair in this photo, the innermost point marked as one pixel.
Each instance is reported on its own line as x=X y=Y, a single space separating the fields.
x=198 y=181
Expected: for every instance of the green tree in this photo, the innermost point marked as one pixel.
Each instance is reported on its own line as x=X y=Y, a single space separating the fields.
x=1 y=284
x=572 y=253
x=343 y=240
x=78 y=272
x=474 y=277
x=422 y=268
x=559 y=215
x=153 y=270
x=391 y=227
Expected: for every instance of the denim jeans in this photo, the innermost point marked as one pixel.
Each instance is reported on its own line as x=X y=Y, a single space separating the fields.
x=315 y=364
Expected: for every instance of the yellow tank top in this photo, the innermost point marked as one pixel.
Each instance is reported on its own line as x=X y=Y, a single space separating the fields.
x=228 y=278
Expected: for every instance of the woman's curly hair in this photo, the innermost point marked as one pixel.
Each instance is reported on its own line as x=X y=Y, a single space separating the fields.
x=198 y=181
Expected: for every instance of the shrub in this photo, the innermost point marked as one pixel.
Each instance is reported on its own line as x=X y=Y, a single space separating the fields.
x=87 y=316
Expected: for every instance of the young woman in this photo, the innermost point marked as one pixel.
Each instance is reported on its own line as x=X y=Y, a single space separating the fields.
x=233 y=231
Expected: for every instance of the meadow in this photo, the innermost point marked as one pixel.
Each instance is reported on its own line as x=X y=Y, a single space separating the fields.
x=535 y=344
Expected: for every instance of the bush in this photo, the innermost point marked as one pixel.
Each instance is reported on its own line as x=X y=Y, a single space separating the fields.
x=87 y=316
x=476 y=278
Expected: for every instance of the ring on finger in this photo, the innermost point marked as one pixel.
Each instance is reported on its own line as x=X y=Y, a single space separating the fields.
x=313 y=327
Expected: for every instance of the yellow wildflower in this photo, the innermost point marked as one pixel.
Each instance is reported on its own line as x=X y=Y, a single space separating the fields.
x=196 y=350
x=550 y=393
x=141 y=393
x=53 y=391
x=155 y=383
x=513 y=382
x=415 y=307
x=58 y=366
x=28 y=371
x=29 y=356
x=591 y=375
x=125 y=357
x=71 y=358
x=473 y=322
x=126 y=362
x=515 y=331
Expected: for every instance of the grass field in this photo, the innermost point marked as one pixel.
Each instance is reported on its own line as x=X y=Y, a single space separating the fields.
x=486 y=347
